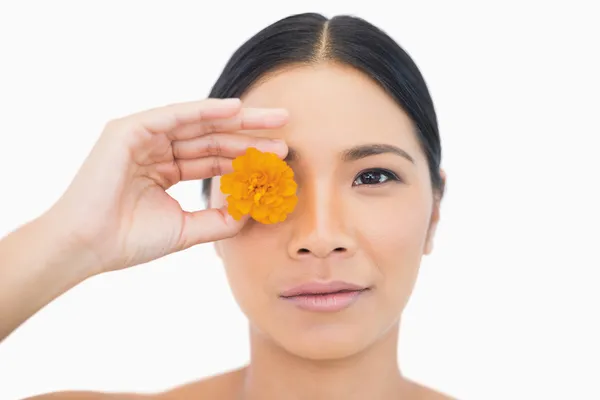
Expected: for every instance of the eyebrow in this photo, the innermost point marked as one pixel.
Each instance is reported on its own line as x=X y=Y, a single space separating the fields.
x=361 y=151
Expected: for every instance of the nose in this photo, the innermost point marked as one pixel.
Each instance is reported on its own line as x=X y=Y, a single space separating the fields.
x=320 y=227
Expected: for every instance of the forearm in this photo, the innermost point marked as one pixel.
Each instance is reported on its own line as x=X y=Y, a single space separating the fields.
x=37 y=264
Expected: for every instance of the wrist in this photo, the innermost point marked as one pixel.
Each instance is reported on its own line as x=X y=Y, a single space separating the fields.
x=37 y=264
x=62 y=250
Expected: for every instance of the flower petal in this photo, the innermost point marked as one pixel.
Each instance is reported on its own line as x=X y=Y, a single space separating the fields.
x=239 y=163
x=227 y=183
x=261 y=185
x=234 y=212
x=239 y=189
x=243 y=206
x=287 y=188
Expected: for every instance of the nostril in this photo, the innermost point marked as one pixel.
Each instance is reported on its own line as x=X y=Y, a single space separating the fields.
x=305 y=251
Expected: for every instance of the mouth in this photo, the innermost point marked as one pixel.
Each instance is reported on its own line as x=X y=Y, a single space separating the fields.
x=324 y=297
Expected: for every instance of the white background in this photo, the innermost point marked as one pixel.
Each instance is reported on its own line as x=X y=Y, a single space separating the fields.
x=505 y=308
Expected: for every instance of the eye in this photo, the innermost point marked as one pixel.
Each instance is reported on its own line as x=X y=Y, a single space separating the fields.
x=375 y=176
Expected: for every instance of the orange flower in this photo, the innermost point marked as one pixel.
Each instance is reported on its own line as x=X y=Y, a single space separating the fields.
x=262 y=185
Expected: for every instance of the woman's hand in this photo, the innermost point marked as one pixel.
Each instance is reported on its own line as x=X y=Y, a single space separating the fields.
x=117 y=212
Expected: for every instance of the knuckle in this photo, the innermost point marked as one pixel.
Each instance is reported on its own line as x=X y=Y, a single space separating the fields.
x=210 y=145
x=113 y=124
x=211 y=126
x=115 y=128
x=213 y=147
x=176 y=149
x=177 y=118
x=217 y=169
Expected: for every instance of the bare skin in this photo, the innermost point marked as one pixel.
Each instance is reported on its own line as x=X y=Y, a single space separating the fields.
x=294 y=354
x=227 y=386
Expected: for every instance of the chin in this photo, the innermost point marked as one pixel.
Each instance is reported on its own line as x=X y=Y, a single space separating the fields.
x=327 y=341
x=321 y=336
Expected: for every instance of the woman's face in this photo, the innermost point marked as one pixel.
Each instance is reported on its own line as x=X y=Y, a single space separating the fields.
x=365 y=216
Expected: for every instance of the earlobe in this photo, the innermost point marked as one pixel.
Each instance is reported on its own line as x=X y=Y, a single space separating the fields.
x=444 y=181
x=435 y=216
x=429 y=244
x=431 y=232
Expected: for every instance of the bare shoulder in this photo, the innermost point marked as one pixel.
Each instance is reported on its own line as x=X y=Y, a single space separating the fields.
x=229 y=384
x=222 y=386
x=89 y=395
x=420 y=392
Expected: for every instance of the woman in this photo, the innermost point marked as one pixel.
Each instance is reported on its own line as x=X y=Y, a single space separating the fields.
x=323 y=290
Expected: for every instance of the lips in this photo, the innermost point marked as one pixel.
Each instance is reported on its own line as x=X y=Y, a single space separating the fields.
x=316 y=288
x=324 y=297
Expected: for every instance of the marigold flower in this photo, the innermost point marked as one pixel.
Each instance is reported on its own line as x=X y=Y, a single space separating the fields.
x=262 y=185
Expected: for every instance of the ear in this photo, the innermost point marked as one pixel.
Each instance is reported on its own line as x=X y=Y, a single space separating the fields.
x=435 y=216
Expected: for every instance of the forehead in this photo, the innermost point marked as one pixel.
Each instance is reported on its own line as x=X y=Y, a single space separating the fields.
x=334 y=106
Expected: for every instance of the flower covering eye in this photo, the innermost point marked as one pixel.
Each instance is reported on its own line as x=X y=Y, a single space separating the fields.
x=262 y=185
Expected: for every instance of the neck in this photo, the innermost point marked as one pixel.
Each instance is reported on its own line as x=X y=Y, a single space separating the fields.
x=274 y=373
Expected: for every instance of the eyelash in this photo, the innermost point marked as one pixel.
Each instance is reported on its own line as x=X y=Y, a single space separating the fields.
x=390 y=176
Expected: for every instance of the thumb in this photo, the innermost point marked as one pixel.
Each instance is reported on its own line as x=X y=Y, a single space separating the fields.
x=208 y=226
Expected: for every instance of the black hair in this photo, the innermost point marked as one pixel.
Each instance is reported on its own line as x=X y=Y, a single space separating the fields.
x=312 y=38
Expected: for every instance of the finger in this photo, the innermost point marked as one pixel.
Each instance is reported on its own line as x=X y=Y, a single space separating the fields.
x=167 y=118
x=209 y=226
x=225 y=145
x=245 y=119
x=204 y=168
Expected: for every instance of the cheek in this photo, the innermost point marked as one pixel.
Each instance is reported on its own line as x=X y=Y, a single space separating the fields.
x=242 y=262
x=394 y=235
x=247 y=267
x=395 y=227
